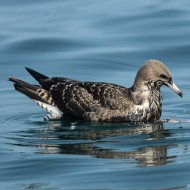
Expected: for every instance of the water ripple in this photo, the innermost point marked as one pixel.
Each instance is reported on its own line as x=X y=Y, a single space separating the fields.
x=99 y=41
x=39 y=45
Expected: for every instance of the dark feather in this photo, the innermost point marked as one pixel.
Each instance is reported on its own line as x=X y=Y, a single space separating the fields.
x=32 y=91
x=47 y=82
x=38 y=76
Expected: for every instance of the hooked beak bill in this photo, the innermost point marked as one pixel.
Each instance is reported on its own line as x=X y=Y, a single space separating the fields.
x=175 y=88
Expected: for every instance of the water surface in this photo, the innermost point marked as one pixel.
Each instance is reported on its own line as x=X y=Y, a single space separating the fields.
x=97 y=41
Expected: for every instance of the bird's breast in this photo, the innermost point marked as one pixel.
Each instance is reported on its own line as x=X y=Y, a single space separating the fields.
x=147 y=107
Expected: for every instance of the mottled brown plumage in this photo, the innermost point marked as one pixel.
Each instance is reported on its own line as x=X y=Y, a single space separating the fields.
x=99 y=101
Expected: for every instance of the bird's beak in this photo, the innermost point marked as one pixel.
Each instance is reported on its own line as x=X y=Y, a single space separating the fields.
x=175 y=88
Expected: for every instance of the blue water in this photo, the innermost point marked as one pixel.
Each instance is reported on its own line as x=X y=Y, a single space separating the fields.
x=97 y=41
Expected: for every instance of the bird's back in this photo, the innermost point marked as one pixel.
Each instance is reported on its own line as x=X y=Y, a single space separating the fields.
x=90 y=100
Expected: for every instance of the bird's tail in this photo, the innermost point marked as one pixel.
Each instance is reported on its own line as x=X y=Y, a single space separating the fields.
x=39 y=95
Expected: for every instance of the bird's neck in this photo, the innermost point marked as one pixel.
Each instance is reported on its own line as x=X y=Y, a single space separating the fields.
x=146 y=88
x=148 y=97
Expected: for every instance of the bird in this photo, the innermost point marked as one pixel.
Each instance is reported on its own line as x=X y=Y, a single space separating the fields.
x=65 y=98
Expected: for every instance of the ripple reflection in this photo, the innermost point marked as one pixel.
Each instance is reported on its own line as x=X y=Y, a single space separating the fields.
x=141 y=142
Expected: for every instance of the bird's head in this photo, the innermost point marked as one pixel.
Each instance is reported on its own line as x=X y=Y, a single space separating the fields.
x=155 y=74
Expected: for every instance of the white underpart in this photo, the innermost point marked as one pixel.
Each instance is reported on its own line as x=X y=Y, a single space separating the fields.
x=54 y=112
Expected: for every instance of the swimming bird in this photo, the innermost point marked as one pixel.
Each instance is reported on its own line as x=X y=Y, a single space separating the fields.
x=100 y=101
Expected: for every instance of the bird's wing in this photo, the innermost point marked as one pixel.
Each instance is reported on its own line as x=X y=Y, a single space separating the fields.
x=59 y=95
x=111 y=96
x=78 y=98
x=73 y=99
x=47 y=82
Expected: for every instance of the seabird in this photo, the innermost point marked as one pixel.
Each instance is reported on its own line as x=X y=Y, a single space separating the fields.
x=100 y=101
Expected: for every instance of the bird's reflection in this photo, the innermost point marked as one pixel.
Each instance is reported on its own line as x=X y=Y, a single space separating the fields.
x=141 y=142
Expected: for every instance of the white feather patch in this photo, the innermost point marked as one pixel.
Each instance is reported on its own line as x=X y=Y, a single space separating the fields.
x=54 y=112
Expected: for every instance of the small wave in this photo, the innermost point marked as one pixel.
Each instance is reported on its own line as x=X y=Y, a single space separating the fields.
x=42 y=44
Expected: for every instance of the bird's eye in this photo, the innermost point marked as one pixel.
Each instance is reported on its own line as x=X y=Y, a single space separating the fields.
x=163 y=76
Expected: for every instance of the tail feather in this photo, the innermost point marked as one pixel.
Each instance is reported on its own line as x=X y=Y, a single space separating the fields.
x=32 y=91
x=38 y=76
x=23 y=84
x=38 y=94
x=29 y=92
